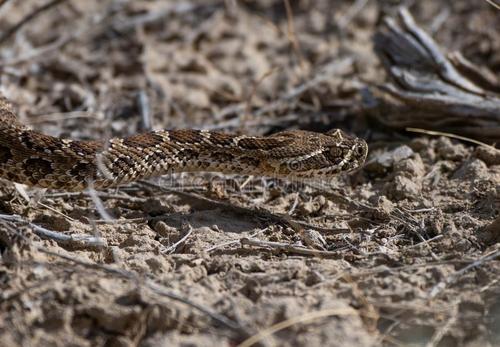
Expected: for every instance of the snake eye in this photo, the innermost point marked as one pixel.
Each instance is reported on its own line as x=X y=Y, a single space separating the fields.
x=360 y=150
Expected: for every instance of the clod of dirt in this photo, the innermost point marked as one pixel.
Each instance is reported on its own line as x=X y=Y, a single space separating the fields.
x=384 y=207
x=52 y=222
x=451 y=151
x=403 y=188
x=313 y=277
x=420 y=144
x=490 y=234
x=155 y=207
x=472 y=169
x=435 y=223
x=384 y=162
x=412 y=167
x=314 y=239
x=489 y=155
x=165 y=230
x=425 y=146
x=408 y=170
x=313 y=206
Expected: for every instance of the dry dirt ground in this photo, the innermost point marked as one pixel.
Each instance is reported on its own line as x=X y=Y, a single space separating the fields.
x=403 y=252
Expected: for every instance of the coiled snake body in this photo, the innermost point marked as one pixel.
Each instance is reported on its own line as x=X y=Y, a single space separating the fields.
x=35 y=159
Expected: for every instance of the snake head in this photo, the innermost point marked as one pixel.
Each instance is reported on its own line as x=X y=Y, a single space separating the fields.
x=325 y=155
x=345 y=152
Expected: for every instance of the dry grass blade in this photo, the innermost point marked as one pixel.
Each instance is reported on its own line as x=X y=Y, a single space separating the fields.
x=292 y=35
x=99 y=205
x=307 y=317
x=252 y=93
x=494 y=4
x=453 y=136
x=172 y=248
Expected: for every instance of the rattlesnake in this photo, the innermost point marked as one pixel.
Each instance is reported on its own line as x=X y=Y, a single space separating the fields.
x=35 y=159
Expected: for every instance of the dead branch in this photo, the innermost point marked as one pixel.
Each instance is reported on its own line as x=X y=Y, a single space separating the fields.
x=432 y=90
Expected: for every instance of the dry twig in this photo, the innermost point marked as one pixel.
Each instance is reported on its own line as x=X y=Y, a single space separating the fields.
x=439 y=287
x=439 y=333
x=283 y=219
x=86 y=240
x=8 y=33
x=289 y=248
x=171 y=249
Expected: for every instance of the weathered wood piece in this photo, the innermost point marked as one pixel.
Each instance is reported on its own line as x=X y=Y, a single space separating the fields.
x=430 y=89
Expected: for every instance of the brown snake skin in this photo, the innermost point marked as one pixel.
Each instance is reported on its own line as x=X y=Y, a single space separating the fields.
x=40 y=160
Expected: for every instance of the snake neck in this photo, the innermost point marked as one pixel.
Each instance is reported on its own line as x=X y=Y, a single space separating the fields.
x=163 y=152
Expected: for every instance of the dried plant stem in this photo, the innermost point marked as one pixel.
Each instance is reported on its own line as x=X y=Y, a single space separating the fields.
x=439 y=287
x=292 y=35
x=7 y=34
x=453 y=136
x=307 y=317
x=288 y=248
x=494 y=4
x=87 y=240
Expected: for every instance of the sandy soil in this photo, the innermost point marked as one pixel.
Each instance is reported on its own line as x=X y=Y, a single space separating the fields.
x=403 y=252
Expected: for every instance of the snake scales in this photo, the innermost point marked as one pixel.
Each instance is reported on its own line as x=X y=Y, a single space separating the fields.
x=35 y=159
